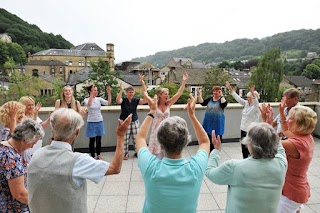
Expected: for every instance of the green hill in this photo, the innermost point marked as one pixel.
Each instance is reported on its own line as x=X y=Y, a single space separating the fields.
x=293 y=44
x=29 y=36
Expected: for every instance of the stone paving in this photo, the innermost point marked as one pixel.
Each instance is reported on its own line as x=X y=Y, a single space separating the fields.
x=125 y=192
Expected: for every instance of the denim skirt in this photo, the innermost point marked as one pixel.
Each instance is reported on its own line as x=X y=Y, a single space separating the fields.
x=95 y=129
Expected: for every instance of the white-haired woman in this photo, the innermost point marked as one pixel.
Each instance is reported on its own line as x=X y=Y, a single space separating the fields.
x=13 y=170
x=250 y=112
x=254 y=183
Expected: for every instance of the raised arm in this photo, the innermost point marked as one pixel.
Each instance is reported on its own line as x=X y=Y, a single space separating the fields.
x=199 y=95
x=13 y=114
x=144 y=88
x=116 y=163
x=202 y=136
x=91 y=95
x=283 y=120
x=57 y=104
x=109 y=95
x=235 y=95
x=142 y=134
x=174 y=98
x=119 y=96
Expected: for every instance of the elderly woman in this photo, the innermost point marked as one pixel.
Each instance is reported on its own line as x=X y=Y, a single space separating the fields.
x=250 y=112
x=299 y=147
x=173 y=183
x=14 y=195
x=254 y=183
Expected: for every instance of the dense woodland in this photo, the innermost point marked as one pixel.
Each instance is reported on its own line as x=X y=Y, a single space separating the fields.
x=29 y=36
x=293 y=44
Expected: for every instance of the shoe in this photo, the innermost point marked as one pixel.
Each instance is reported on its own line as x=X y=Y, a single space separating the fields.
x=99 y=157
x=126 y=156
x=135 y=155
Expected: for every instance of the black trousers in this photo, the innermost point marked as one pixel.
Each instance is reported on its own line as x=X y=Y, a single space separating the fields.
x=210 y=139
x=96 y=139
x=244 y=149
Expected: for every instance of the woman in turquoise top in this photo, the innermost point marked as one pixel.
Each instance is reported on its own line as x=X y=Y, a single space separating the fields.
x=254 y=183
x=173 y=183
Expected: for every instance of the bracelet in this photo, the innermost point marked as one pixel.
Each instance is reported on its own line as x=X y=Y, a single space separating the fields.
x=149 y=114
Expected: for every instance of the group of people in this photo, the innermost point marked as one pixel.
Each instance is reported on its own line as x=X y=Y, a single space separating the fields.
x=271 y=177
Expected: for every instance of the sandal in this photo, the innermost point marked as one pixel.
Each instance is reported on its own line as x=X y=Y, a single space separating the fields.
x=126 y=156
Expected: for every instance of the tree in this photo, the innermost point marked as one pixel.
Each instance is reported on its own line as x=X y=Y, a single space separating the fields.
x=101 y=76
x=312 y=71
x=18 y=88
x=214 y=77
x=268 y=75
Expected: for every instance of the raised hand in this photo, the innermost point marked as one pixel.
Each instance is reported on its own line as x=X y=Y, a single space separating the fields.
x=123 y=126
x=252 y=88
x=185 y=76
x=83 y=111
x=228 y=86
x=12 y=110
x=215 y=140
x=108 y=89
x=121 y=87
x=191 y=105
x=282 y=105
x=37 y=107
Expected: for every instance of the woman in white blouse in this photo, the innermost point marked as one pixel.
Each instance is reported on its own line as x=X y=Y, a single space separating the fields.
x=250 y=112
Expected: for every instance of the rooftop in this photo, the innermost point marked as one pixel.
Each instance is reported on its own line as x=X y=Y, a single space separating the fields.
x=125 y=192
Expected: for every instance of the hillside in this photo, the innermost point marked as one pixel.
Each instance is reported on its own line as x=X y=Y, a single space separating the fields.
x=29 y=36
x=293 y=44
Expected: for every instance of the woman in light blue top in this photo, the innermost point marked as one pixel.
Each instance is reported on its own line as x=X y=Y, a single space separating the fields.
x=173 y=183
x=250 y=112
x=254 y=183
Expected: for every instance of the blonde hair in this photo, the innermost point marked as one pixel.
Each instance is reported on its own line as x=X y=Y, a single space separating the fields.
x=305 y=119
x=4 y=111
x=24 y=100
x=161 y=90
x=63 y=102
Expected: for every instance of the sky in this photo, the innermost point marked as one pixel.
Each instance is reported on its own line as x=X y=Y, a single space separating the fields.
x=139 y=28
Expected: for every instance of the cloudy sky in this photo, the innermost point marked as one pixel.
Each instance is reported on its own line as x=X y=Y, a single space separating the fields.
x=139 y=28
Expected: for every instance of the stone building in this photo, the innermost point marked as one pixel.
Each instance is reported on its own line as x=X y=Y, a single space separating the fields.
x=63 y=62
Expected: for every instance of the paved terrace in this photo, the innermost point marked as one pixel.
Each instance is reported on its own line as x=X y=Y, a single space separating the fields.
x=125 y=192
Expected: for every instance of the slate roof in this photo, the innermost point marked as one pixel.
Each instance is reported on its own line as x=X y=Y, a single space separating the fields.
x=196 y=76
x=46 y=63
x=87 y=49
x=78 y=77
x=130 y=78
x=299 y=81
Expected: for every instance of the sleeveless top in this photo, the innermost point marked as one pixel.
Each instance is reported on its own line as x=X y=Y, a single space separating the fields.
x=154 y=145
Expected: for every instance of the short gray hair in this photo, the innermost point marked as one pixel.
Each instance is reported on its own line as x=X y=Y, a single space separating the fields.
x=263 y=139
x=173 y=134
x=64 y=122
x=29 y=130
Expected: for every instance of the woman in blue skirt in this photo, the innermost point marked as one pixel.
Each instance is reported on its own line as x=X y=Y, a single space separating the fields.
x=95 y=127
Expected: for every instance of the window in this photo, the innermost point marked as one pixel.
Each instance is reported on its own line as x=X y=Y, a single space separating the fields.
x=88 y=64
x=70 y=63
x=60 y=70
x=66 y=62
x=193 y=90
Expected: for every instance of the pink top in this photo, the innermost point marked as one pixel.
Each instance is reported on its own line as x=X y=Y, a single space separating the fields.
x=296 y=186
x=154 y=145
